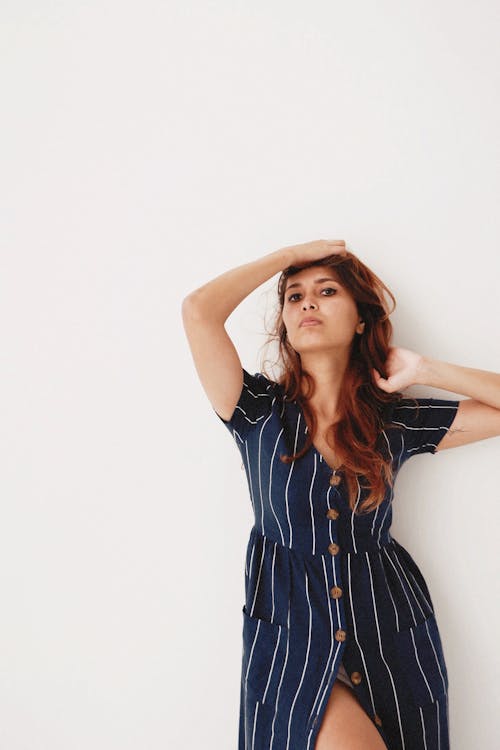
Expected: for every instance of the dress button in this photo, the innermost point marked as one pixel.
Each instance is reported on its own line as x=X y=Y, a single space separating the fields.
x=378 y=720
x=340 y=635
x=335 y=479
x=336 y=592
x=356 y=678
x=333 y=548
x=332 y=513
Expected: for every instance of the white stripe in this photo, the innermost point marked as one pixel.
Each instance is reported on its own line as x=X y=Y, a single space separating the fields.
x=422 y=445
x=337 y=652
x=391 y=491
x=372 y=531
x=384 y=549
x=272 y=580
x=381 y=652
x=255 y=724
x=439 y=725
x=249 y=475
x=288 y=482
x=272 y=664
x=271 y=464
x=251 y=652
x=390 y=594
x=305 y=664
x=388 y=508
x=423 y=726
x=420 y=590
x=352 y=516
x=419 y=665
x=395 y=553
x=251 y=556
x=246 y=561
x=425 y=406
x=356 y=632
x=311 y=507
x=436 y=656
x=247 y=418
x=237 y=433
x=255 y=395
x=282 y=675
x=384 y=433
x=402 y=451
x=260 y=472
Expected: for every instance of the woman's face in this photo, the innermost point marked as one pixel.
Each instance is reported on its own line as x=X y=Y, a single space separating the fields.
x=317 y=292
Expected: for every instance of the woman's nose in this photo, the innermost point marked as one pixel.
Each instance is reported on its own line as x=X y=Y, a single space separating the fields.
x=307 y=304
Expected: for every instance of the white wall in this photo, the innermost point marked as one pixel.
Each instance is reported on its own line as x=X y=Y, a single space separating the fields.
x=146 y=148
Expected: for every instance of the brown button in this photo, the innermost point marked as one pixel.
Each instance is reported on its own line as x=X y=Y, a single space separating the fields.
x=340 y=635
x=378 y=720
x=336 y=592
x=335 y=479
x=356 y=678
x=332 y=513
x=333 y=548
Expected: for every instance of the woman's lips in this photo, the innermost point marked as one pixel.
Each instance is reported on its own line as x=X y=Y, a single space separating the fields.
x=310 y=323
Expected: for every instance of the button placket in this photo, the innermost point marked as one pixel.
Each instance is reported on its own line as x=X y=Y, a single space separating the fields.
x=334 y=480
x=332 y=514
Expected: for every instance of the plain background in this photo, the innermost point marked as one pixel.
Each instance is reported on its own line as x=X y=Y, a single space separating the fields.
x=146 y=148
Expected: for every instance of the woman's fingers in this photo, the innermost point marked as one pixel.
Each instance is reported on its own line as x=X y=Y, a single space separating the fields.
x=316 y=250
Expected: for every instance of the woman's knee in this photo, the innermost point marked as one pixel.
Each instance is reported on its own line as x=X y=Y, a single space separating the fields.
x=346 y=725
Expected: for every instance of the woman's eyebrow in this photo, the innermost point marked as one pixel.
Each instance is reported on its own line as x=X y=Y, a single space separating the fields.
x=316 y=281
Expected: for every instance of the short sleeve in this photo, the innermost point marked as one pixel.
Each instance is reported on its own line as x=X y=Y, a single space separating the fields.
x=254 y=404
x=424 y=422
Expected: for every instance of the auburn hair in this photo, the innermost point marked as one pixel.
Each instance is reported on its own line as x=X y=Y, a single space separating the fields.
x=357 y=436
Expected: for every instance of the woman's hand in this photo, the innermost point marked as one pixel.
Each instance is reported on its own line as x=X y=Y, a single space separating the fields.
x=315 y=250
x=402 y=366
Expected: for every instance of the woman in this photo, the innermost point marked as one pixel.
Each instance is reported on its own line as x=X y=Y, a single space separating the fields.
x=341 y=648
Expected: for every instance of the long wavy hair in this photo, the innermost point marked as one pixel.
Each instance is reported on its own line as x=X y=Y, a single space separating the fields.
x=362 y=405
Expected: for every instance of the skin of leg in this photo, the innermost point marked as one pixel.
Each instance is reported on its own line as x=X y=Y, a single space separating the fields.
x=345 y=725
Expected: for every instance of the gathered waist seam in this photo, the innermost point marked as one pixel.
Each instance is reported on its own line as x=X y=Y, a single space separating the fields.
x=376 y=547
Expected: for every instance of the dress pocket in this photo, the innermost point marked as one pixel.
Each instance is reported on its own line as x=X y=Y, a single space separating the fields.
x=420 y=654
x=418 y=584
x=264 y=651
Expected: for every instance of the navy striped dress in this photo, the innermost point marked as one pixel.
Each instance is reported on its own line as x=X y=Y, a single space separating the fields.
x=325 y=587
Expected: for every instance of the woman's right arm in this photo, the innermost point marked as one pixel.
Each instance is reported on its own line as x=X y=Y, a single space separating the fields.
x=204 y=312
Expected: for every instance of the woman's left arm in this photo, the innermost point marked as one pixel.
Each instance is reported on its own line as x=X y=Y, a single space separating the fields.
x=481 y=385
x=477 y=417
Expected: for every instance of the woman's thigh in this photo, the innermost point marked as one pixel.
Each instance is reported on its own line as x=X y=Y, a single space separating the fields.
x=345 y=725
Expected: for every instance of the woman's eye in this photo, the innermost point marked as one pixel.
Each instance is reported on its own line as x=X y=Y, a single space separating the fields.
x=326 y=289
